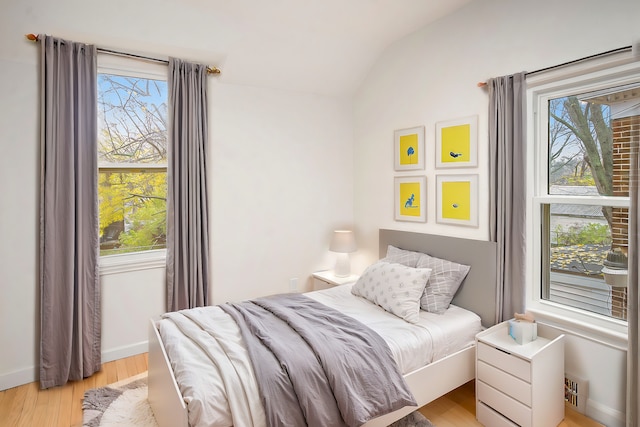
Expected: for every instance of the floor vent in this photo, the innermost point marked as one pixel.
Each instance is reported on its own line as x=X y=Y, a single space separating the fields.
x=576 y=391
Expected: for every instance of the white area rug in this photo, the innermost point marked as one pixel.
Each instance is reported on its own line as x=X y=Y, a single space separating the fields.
x=125 y=404
x=120 y=404
x=414 y=419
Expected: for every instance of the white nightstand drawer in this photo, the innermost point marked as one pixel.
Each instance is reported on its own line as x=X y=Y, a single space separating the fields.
x=491 y=418
x=508 y=384
x=326 y=279
x=319 y=285
x=509 y=407
x=505 y=361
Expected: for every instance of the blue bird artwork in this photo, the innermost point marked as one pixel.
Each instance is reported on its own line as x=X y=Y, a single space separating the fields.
x=410 y=152
x=455 y=155
x=455 y=205
x=409 y=202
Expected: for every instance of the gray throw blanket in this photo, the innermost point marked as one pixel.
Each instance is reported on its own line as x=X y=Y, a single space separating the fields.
x=316 y=366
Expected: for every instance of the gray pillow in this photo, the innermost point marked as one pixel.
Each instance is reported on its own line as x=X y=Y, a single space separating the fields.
x=402 y=256
x=394 y=287
x=446 y=277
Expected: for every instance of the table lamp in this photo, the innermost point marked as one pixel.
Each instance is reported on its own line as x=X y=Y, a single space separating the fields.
x=343 y=242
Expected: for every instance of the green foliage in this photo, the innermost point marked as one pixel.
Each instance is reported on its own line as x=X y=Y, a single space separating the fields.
x=138 y=200
x=586 y=180
x=132 y=144
x=591 y=233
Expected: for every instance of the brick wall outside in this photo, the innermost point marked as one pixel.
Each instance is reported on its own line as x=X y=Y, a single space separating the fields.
x=626 y=132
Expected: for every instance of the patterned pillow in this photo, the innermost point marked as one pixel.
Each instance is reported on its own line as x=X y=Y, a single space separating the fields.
x=394 y=287
x=402 y=256
x=446 y=277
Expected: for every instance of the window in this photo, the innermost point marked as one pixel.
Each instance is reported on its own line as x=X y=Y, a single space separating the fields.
x=132 y=161
x=583 y=129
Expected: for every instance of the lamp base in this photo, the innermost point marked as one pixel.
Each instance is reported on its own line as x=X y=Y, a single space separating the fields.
x=343 y=266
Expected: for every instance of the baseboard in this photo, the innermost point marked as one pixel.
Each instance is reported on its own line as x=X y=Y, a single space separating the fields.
x=125 y=351
x=31 y=374
x=20 y=377
x=605 y=415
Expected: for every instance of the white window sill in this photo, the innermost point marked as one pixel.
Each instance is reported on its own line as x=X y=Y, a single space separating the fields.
x=601 y=329
x=122 y=263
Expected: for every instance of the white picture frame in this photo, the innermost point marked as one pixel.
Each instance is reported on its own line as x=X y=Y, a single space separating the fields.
x=457 y=143
x=410 y=198
x=409 y=151
x=457 y=199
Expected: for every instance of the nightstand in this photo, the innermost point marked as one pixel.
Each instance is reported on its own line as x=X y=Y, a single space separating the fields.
x=519 y=385
x=326 y=279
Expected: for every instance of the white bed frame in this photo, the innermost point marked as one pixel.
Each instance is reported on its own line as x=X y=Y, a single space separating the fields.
x=477 y=294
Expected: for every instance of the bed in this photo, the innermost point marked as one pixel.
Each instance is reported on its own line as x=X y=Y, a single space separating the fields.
x=443 y=371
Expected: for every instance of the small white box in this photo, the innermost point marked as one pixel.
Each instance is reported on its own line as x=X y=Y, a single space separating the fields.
x=523 y=332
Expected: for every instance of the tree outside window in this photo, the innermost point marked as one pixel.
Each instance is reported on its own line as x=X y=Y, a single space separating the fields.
x=132 y=159
x=588 y=166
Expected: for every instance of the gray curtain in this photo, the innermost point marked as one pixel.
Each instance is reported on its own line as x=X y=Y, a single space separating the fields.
x=69 y=287
x=633 y=299
x=187 y=200
x=507 y=189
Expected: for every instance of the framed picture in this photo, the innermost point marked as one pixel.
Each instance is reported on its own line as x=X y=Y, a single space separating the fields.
x=409 y=149
x=457 y=199
x=457 y=143
x=411 y=198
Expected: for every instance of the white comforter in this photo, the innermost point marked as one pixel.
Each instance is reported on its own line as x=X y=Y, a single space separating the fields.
x=214 y=371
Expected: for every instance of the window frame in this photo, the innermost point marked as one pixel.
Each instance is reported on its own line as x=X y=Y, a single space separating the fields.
x=131 y=67
x=586 y=76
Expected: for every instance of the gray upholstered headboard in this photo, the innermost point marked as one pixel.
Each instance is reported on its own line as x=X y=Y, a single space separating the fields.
x=478 y=291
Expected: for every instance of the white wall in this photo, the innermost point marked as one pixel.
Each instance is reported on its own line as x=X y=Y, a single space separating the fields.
x=431 y=76
x=281 y=181
x=283 y=172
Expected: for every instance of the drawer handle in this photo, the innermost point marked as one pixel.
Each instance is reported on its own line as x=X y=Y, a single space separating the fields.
x=504 y=351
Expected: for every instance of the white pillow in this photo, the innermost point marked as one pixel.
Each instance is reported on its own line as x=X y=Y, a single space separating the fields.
x=402 y=256
x=394 y=287
x=445 y=279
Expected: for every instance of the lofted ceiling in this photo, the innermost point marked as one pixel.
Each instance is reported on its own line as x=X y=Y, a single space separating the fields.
x=319 y=46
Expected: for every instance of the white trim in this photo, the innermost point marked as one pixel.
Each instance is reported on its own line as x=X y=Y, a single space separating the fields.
x=131 y=167
x=30 y=374
x=122 y=263
x=125 y=351
x=131 y=67
x=19 y=377
x=593 y=75
x=613 y=201
x=569 y=325
x=605 y=414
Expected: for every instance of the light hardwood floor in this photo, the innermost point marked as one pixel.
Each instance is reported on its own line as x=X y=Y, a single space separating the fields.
x=29 y=406
x=458 y=408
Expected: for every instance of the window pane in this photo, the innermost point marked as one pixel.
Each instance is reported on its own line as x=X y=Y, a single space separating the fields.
x=132 y=120
x=581 y=241
x=584 y=151
x=132 y=211
x=132 y=133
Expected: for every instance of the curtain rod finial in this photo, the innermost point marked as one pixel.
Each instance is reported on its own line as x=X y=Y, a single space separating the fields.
x=32 y=37
x=482 y=84
x=213 y=70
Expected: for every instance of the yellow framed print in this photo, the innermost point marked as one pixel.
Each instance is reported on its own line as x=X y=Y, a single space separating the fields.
x=409 y=149
x=457 y=199
x=411 y=198
x=457 y=143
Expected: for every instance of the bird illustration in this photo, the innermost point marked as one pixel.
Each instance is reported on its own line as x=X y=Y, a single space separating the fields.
x=409 y=202
x=410 y=152
x=455 y=205
x=454 y=155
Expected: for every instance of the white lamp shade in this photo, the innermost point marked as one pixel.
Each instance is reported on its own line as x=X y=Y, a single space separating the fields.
x=343 y=241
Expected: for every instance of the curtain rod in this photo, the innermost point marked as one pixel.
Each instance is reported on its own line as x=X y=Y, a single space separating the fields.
x=210 y=70
x=620 y=49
